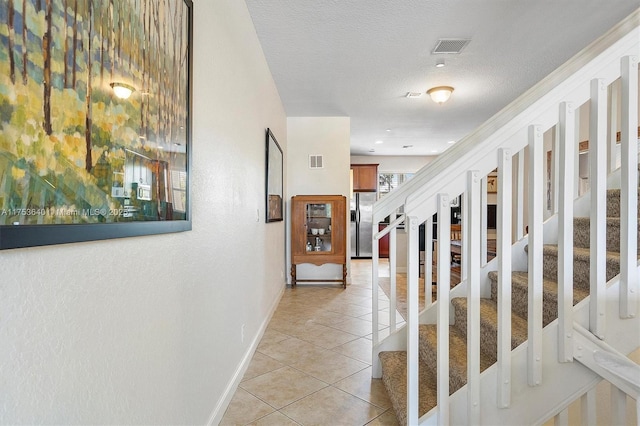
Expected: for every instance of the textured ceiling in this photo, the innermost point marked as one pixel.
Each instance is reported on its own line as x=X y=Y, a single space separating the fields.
x=358 y=58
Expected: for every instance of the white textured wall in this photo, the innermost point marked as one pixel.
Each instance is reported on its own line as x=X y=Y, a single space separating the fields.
x=329 y=136
x=147 y=330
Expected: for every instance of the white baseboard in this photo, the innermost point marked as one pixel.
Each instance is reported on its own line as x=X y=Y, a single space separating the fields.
x=232 y=386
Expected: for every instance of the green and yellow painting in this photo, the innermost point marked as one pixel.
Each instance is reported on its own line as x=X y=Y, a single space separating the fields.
x=73 y=148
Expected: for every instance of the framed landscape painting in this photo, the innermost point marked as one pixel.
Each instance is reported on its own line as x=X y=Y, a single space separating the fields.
x=95 y=119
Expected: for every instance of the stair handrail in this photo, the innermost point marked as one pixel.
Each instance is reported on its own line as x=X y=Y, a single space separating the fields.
x=607 y=362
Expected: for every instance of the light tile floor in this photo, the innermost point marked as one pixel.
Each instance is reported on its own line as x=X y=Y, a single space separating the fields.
x=313 y=364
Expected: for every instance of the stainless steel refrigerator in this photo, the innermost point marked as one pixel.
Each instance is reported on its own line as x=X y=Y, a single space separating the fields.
x=361 y=223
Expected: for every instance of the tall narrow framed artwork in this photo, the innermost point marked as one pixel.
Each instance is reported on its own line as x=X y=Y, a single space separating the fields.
x=95 y=119
x=274 y=179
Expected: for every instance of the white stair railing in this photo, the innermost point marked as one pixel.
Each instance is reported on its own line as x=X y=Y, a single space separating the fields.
x=549 y=105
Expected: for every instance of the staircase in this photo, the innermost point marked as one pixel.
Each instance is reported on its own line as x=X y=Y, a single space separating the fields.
x=557 y=310
x=394 y=363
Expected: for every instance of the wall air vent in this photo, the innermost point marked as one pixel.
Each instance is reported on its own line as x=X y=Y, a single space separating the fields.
x=450 y=45
x=315 y=161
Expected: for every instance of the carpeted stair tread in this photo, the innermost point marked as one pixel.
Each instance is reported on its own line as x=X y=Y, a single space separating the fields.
x=581 y=262
x=489 y=325
x=394 y=377
x=582 y=232
x=457 y=354
x=613 y=203
x=520 y=295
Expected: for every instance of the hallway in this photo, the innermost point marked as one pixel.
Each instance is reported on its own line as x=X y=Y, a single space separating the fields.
x=313 y=364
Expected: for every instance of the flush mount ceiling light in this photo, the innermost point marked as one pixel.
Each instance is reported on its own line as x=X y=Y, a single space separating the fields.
x=379 y=142
x=440 y=94
x=122 y=90
x=440 y=63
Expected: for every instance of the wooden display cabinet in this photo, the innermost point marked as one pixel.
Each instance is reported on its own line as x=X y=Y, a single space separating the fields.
x=318 y=233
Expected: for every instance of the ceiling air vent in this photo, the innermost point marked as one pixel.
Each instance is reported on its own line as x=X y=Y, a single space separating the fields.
x=315 y=162
x=450 y=45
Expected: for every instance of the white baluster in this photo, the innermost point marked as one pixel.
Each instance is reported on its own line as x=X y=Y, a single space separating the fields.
x=576 y=152
x=520 y=196
x=565 y=231
x=411 y=225
x=618 y=406
x=629 y=187
x=483 y=222
x=562 y=418
x=612 y=125
x=428 y=262
x=393 y=288
x=536 y=191
x=374 y=296
x=503 y=251
x=555 y=158
x=444 y=284
x=598 y=223
x=588 y=408
x=473 y=296
x=464 y=244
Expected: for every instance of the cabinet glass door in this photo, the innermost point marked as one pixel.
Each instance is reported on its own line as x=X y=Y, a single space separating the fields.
x=318 y=222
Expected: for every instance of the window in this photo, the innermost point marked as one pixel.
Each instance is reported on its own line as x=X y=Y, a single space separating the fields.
x=389 y=181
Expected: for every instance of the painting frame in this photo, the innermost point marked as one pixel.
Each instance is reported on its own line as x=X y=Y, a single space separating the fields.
x=274 y=179
x=492 y=182
x=20 y=229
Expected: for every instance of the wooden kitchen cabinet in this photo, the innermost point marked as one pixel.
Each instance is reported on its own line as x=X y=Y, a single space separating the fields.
x=365 y=177
x=318 y=233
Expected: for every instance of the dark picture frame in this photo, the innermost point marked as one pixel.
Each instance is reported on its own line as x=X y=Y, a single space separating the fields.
x=79 y=159
x=274 y=188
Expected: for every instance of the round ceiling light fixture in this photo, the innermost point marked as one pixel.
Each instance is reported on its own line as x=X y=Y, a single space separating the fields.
x=122 y=90
x=440 y=94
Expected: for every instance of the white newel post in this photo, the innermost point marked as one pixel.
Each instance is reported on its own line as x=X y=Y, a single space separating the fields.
x=503 y=251
x=536 y=191
x=567 y=147
x=598 y=224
